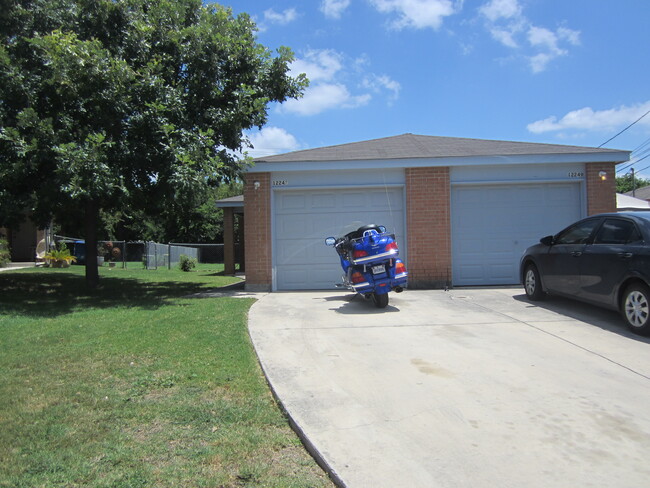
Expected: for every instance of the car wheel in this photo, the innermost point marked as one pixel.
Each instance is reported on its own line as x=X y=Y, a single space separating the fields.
x=636 y=308
x=532 y=283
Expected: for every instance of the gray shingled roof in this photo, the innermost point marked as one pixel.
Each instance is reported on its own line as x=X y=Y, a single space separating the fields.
x=410 y=146
x=643 y=193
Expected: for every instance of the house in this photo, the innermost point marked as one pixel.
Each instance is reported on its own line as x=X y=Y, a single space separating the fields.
x=625 y=202
x=642 y=193
x=23 y=240
x=463 y=210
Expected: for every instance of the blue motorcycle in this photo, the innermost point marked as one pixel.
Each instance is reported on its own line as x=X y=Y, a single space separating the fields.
x=370 y=264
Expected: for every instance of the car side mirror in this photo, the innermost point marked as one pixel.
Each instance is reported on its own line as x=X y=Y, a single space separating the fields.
x=547 y=241
x=381 y=228
x=330 y=241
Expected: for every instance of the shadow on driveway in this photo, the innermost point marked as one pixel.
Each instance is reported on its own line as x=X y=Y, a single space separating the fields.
x=603 y=318
x=356 y=304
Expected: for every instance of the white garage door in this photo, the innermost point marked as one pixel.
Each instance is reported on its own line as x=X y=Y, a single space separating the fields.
x=493 y=225
x=304 y=218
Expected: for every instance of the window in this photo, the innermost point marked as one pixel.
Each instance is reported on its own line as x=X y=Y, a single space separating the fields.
x=578 y=233
x=617 y=231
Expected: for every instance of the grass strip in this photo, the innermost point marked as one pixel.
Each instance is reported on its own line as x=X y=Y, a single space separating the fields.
x=135 y=385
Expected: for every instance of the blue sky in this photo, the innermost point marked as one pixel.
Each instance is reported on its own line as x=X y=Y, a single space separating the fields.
x=552 y=71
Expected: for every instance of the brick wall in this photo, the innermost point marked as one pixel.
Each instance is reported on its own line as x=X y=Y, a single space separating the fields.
x=601 y=195
x=428 y=221
x=257 y=231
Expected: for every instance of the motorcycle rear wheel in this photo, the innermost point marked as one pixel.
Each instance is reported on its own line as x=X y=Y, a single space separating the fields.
x=380 y=300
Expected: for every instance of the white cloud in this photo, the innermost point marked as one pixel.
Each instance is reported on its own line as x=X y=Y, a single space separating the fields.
x=592 y=120
x=281 y=18
x=377 y=83
x=331 y=74
x=571 y=36
x=539 y=62
x=318 y=65
x=506 y=22
x=277 y=18
x=419 y=14
x=545 y=39
x=322 y=97
x=505 y=37
x=501 y=9
x=271 y=140
x=334 y=8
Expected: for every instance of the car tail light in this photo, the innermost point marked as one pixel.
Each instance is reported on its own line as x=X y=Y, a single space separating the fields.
x=357 y=278
x=391 y=247
x=400 y=268
x=359 y=253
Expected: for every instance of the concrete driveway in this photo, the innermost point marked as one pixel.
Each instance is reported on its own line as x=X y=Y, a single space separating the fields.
x=465 y=388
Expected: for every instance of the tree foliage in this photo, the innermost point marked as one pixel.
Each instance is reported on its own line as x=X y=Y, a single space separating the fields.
x=626 y=184
x=129 y=104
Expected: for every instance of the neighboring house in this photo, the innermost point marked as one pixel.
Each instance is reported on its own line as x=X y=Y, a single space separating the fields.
x=23 y=240
x=642 y=193
x=463 y=210
x=625 y=202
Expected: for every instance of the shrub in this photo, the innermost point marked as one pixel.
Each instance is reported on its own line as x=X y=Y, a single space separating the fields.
x=185 y=263
x=5 y=254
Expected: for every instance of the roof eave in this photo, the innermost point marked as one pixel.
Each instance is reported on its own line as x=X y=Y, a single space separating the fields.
x=492 y=160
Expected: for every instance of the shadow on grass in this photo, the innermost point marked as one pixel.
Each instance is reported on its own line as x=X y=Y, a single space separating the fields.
x=59 y=293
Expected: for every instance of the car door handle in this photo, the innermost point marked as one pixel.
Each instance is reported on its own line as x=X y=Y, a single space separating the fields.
x=625 y=255
x=576 y=254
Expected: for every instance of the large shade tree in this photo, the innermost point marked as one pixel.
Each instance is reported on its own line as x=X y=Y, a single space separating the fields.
x=137 y=104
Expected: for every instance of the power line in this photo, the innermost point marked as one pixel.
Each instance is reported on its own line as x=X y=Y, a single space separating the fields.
x=644 y=143
x=628 y=166
x=612 y=138
x=642 y=160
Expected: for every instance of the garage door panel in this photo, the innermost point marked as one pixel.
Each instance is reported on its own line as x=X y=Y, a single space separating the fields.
x=295 y=277
x=323 y=201
x=303 y=250
x=355 y=200
x=301 y=259
x=501 y=273
x=292 y=202
x=493 y=224
x=470 y=272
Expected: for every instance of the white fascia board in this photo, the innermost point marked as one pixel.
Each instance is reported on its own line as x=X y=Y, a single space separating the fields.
x=598 y=157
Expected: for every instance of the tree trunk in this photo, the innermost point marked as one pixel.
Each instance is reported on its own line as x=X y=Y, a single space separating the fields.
x=92 y=216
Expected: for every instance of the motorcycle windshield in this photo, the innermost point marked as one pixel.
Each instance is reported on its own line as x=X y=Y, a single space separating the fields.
x=350 y=228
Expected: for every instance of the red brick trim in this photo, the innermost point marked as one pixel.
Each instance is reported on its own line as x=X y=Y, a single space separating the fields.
x=601 y=194
x=257 y=231
x=428 y=220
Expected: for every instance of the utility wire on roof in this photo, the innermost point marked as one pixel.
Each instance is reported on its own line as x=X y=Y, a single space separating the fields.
x=612 y=138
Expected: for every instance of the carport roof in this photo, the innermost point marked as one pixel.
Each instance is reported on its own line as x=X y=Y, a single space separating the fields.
x=413 y=146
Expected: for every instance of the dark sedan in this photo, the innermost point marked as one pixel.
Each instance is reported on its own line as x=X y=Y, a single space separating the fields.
x=603 y=259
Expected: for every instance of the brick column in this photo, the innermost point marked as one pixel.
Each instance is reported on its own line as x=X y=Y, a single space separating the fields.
x=428 y=197
x=228 y=241
x=257 y=231
x=601 y=194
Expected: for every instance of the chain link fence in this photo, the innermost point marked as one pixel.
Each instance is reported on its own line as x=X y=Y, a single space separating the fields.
x=149 y=254
x=166 y=255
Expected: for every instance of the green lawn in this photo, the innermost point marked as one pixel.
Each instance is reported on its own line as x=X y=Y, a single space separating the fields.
x=133 y=385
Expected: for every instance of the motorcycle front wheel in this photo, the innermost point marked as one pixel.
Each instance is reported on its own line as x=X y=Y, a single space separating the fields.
x=380 y=300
